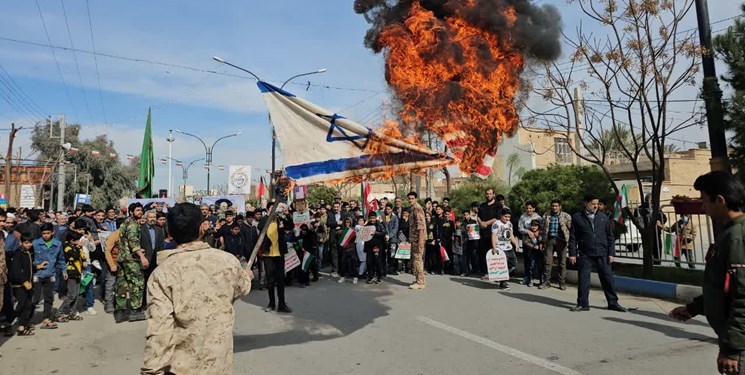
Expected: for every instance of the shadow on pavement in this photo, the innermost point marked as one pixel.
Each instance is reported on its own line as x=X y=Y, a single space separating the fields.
x=475 y=283
x=324 y=311
x=669 y=331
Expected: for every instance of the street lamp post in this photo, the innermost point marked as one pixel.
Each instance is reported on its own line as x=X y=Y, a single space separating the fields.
x=274 y=133
x=185 y=170
x=208 y=151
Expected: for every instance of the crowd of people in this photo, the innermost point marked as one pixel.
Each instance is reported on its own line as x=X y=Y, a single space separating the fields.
x=109 y=254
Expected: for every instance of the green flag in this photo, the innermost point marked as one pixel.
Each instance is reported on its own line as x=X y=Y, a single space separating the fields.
x=147 y=166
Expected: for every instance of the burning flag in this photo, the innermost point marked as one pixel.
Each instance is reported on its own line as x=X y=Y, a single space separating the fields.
x=455 y=66
x=336 y=148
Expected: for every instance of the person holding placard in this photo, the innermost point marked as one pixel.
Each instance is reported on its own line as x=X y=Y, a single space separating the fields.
x=471 y=238
x=503 y=239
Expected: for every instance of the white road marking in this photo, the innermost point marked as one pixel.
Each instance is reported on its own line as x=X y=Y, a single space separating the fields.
x=502 y=348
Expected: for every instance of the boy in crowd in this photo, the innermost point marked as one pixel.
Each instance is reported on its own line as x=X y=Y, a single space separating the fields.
x=349 y=259
x=375 y=249
x=49 y=262
x=76 y=262
x=533 y=243
x=471 y=239
x=20 y=276
x=503 y=238
x=232 y=242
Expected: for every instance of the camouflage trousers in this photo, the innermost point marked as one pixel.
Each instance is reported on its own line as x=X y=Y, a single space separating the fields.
x=129 y=286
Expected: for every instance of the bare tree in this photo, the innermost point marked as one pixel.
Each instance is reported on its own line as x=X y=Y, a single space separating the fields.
x=634 y=69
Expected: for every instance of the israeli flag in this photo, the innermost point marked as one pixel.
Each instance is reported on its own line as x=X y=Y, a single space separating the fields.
x=320 y=145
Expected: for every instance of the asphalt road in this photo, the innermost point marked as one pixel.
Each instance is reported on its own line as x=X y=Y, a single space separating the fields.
x=455 y=326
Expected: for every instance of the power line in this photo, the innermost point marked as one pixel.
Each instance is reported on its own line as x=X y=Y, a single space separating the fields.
x=13 y=90
x=75 y=57
x=173 y=65
x=35 y=107
x=95 y=60
x=56 y=62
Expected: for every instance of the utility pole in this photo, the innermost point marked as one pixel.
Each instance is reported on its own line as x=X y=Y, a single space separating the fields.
x=579 y=115
x=61 y=178
x=9 y=160
x=712 y=93
x=170 y=140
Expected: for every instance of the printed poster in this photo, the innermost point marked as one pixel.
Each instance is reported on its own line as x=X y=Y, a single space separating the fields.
x=473 y=232
x=496 y=264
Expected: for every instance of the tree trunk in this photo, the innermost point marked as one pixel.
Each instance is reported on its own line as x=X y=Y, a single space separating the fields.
x=446 y=172
x=9 y=161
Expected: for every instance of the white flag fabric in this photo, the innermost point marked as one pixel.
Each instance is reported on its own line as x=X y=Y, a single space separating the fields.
x=320 y=145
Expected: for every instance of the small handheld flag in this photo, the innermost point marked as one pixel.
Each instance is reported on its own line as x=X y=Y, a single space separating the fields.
x=307 y=260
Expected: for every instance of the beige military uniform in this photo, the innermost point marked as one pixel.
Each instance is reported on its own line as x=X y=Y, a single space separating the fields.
x=417 y=236
x=190 y=311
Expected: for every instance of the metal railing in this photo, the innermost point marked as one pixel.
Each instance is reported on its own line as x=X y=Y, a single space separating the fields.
x=629 y=244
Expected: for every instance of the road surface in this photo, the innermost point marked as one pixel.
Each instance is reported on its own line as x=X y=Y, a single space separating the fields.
x=455 y=326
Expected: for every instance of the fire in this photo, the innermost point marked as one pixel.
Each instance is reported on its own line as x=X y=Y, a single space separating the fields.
x=457 y=80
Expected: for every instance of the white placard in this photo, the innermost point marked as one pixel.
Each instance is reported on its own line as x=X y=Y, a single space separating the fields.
x=239 y=179
x=28 y=196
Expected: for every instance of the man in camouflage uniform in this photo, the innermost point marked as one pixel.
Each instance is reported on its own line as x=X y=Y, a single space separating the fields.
x=190 y=314
x=130 y=279
x=417 y=236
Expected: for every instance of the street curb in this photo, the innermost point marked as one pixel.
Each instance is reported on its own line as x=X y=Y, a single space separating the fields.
x=641 y=287
x=646 y=288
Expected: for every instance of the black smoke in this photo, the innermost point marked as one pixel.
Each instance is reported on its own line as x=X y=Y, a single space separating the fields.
x=536 y=32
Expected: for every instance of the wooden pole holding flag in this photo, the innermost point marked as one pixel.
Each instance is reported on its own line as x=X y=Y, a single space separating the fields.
x=279 y=194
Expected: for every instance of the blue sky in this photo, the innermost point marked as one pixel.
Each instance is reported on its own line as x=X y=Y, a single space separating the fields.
x=275 y=40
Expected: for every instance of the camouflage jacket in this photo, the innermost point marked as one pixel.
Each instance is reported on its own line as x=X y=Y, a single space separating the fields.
x=190 y=307
x=129 y=241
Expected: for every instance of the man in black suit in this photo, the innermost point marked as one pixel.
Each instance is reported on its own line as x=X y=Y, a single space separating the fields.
x=152 y=239
x=591 y=241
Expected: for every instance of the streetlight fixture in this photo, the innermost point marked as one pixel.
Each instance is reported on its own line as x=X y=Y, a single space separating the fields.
x=208 y=151
x=185 y=170
x=274 y=133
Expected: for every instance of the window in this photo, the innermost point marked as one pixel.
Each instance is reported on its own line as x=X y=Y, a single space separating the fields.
x=563 y=152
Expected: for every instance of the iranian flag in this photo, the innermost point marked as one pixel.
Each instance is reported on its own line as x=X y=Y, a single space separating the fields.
x=622 y=200
x=221 y=167
x=672 y=244
x=95 y=153
x=347 y=236
x=179 y=164
x=444 y=254
x=307 y=260
x=112 y=155
x=163 y=161
x=130 y=157
x=74 y=150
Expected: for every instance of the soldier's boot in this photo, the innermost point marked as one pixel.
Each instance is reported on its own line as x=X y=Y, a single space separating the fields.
x=545 y=285
x=137 y=315
x=562 y=285
x=121 y=316
x=109 y=308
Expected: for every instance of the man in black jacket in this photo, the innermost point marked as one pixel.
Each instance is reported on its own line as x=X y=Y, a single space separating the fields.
x=334 y=223
x=152 y=239
x=591 y=241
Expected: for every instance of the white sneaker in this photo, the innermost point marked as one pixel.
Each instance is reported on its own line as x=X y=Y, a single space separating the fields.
x=341 y=280
x=91 y=311
x=354 y=281
x=334 y=274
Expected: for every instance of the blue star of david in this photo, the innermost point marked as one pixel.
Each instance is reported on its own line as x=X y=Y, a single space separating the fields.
x=344 y=137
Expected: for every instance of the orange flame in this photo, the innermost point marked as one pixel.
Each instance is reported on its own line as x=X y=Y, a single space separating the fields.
x=457 y=80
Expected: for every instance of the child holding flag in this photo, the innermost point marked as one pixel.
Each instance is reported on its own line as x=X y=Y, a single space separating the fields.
x=349 y=253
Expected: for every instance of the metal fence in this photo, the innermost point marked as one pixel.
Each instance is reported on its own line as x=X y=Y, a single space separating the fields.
x=629 y=244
